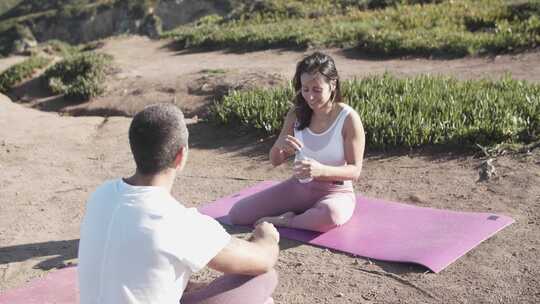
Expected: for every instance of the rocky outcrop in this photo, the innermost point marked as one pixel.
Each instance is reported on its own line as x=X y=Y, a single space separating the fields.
x=87 y=27
x=96 y=22
x=177 y=12
x=151 y=26
x=25 y=40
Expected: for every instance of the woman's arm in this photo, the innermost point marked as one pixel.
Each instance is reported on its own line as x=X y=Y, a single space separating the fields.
x=286 y=145
x=354 y=145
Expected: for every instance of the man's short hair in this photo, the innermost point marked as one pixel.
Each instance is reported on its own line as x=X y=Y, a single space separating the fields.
x=156 y=134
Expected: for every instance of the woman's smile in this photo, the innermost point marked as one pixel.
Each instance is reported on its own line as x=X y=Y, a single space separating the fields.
x=315 y=90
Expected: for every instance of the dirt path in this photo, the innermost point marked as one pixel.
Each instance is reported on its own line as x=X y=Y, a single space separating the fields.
x=50 y=163
x=149 y=71
x=9 y=61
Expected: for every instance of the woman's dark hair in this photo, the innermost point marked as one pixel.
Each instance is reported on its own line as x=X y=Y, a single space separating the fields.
x=314 y=63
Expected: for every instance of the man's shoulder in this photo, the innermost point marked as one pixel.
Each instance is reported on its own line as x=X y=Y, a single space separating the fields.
x=106 y=186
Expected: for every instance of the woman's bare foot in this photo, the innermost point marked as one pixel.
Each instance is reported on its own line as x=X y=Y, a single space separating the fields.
x=280 y=220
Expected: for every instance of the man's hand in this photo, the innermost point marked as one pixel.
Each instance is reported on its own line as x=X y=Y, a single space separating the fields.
x=253 y=257
x=265 y=231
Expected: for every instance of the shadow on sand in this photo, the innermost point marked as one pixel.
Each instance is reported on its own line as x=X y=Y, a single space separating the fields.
x=60 y=252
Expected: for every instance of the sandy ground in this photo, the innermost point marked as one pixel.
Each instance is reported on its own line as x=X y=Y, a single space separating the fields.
x=50 y=163
x=9 y=61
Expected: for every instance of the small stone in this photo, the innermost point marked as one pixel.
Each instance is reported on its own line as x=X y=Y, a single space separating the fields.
x=206 y=88
x=366 y=297
x=137 y=92
x=415 y=198
x=339 y=295
x=487 y=170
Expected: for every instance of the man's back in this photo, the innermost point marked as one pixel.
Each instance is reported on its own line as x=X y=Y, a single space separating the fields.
x=139 y=245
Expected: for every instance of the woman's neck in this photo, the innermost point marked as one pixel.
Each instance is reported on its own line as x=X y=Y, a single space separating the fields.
x=326 y=112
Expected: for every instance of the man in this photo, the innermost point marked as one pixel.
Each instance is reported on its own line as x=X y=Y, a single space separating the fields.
x=139 y=245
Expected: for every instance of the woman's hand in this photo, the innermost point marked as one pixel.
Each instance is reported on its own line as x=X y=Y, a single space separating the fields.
x=288 y=145
x=304 y=169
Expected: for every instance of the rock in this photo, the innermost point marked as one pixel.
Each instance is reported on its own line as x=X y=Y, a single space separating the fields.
x=177 y=12
x=151 y=26
x=487 y=170
x=24 y=41
x=415 y=198
x=23 y=46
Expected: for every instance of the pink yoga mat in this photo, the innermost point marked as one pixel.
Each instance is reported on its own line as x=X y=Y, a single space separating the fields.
x=390 y=231
x=58 y=287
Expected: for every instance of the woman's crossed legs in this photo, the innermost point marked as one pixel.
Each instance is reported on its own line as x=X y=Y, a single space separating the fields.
x=316 y=206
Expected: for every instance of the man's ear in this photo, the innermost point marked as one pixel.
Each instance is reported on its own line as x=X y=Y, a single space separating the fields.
x=180 y=155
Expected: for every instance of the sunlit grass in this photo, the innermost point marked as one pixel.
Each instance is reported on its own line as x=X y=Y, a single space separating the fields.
x=410 y=112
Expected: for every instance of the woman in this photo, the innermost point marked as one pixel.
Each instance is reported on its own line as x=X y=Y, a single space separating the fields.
x=328 y=140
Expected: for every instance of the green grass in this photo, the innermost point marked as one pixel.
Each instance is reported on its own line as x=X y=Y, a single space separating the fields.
x=61 y=48
x=79 y=77
x=6 y=5
x=410 y=112
x=214 y=71
x=286 y=9
x=21 y=71
x=450 y=28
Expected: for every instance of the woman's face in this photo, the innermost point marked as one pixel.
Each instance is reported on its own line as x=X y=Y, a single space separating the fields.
x=316 y=90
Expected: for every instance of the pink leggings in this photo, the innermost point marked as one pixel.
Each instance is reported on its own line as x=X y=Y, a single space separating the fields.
x=235 y=289
x=319 y=206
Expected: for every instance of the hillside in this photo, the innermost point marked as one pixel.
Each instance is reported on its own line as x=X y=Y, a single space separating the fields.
x=426 y=28
x=51 y=163
x=24 y=23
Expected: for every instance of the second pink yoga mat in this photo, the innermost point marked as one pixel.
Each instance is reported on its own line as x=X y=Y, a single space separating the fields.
x=56 y=287
x=391 y=231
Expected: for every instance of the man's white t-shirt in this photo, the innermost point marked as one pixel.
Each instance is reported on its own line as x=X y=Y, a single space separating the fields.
x=140 y=245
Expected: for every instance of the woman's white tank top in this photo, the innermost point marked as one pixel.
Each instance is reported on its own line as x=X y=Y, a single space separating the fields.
x=327 y=147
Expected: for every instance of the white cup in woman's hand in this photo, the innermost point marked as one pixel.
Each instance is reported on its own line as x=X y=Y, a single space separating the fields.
x=300 y=156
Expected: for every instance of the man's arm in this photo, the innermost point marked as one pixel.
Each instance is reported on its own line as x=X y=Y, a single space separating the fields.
x=253 y=257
